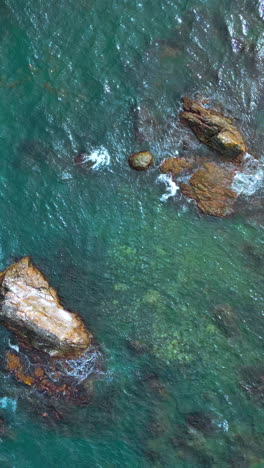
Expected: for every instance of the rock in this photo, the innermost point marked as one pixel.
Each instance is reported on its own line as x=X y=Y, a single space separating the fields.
x=59 y=378
x=141 y=161
x=253 y=382
x=174 y=166
x=226 y=319
x=80 y=158
x=213 y=129
x=210 y=186
x=137 y=347
x=200 y=421
x=31 y=308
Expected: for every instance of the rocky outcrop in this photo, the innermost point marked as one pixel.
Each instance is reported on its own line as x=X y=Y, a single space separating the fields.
x=141 y=161
x=174 y=166
x=30 y=307
x=213 y=129
x=210 y=186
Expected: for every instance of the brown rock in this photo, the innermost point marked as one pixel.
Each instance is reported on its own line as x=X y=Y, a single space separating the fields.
x=31 y=308
x=54 y=377
x=174 y=166
x=141 y=161
x=213 y=129
x=210 y=186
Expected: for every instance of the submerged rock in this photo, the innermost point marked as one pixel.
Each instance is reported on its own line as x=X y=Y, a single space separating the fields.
x=59 y=378
x=213 y=129
x=210 y=186
x=226 y=319
x=31 y=308
x=137 y=347
x=200 y=421
x=141 y=161
x=174 y=166
x=253 y=382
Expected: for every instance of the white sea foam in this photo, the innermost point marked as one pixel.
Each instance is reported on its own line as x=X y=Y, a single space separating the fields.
x=171 y=187
x=15 y=347
x=8 y=403
x=100 y=157
x=251 y=178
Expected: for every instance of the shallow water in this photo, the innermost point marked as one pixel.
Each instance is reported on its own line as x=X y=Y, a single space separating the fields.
x=105 y=78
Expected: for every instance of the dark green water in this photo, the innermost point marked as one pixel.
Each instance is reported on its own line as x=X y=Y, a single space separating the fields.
x=136 y=268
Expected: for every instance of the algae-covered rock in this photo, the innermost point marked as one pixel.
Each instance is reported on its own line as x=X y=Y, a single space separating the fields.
x=169 y=345
x=152 y=297
x=174 y=166
x=141 y=161
x=31 y=308
x=213 y=128
x=210 y=186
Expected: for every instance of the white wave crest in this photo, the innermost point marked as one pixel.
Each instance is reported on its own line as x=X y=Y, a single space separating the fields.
x=252 y=177
x=100 y=157
x=171 y=187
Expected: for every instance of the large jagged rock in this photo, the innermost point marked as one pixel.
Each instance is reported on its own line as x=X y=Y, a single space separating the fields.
x=30 y=307
x=213 y=129
x=174 y=166
x=210 y=186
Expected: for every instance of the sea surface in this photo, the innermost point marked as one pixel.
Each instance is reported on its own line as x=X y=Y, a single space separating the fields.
x=180 y=387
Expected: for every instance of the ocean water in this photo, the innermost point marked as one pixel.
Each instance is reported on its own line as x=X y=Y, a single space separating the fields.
x=125 y=249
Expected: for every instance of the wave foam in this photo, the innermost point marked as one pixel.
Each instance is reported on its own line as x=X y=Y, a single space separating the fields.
x=8 y=403
x=251 y=179
x=171 y=187
x=100 y=157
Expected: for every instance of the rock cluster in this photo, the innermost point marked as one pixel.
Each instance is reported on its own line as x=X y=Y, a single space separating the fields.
x=210 y=183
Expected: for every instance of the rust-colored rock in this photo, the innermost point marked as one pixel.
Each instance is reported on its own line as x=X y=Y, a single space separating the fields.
x=141 y=161
x=54 y=377
x=14 y=365
x=174 y=166
x=213 y=129
x=31 y=308
x=210 y=186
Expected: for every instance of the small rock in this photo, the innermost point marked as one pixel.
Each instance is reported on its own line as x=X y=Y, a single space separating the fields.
x=141 y=161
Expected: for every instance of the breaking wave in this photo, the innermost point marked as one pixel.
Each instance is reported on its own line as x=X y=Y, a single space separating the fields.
x=100 y=158
x=251 y=179
x=171 y=187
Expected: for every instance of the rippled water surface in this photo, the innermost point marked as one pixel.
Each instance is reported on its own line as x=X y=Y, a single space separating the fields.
x=105 y=78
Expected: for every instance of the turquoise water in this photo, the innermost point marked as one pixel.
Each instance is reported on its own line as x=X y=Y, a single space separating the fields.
x=134 y=267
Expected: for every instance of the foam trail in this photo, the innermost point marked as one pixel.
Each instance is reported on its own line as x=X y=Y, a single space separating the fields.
x=251 y=179
x=171 y=187
x=100 y=157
